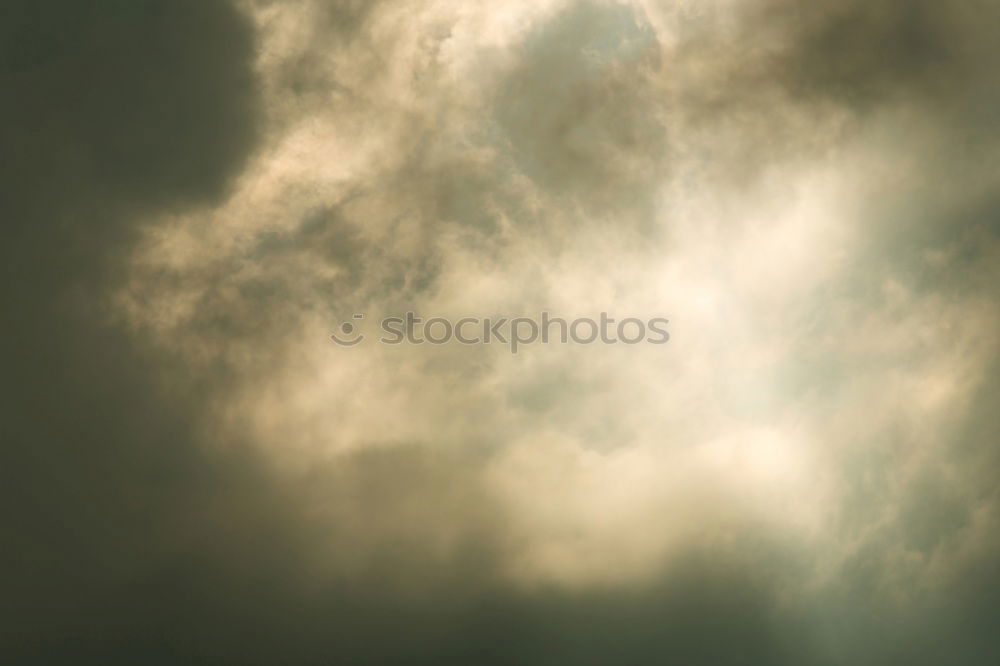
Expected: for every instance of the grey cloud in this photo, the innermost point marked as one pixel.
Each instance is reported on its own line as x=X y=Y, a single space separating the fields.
x=581 y=111
x=113 y=111
x=866 y=52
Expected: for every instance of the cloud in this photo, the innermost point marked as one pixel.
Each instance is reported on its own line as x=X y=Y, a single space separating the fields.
x=803 y=475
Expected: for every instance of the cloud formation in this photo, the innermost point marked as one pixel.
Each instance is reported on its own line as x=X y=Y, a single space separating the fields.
x=804 y=475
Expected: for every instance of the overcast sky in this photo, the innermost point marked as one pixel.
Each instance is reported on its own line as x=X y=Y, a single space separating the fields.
x=195 y=194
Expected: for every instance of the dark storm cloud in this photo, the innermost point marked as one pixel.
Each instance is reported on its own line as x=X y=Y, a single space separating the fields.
x=113 y=111
x=866 y=52
x=107 y=105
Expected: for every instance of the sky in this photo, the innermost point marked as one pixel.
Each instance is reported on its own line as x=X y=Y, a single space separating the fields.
x=195 y=194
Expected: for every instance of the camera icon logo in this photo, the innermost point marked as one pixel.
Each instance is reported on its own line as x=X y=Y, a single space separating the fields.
x=348 y=329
